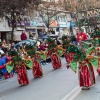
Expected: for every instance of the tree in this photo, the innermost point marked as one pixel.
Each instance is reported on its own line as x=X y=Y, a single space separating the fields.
x=48 y=12
x=79 y=6
x=14 y=10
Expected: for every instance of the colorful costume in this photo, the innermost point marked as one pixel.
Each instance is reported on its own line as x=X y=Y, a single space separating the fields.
x=53 y=52
x=66 y=44
x=96 y=38
x=86 y=64
x=36 y=67
x=81 y=36
x=20 y=68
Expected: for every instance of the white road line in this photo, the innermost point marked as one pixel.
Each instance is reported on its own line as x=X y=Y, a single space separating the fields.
x=65 y=98
x=76 y=91
x=2 y=97
x=52 y=72
x=75 y=94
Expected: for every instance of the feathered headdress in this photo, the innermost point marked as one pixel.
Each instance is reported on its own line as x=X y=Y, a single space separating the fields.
x=51 y=43
x=30 y=49
x=65 y=40
x=78 y=52
x=96 y=37
x=15 y=56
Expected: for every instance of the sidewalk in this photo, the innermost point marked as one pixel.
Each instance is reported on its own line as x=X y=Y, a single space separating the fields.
x=92 y=94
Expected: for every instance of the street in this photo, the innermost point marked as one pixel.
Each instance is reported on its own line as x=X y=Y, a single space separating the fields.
x=54 y=85
x=61 y=84
x=92 y=94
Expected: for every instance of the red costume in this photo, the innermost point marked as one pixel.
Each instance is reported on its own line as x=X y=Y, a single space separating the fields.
x=56 y=63
x=69 y=58
x=81 y=36
x=37 y=70
x=98 y=70
x=22 y=74
x=86 y=74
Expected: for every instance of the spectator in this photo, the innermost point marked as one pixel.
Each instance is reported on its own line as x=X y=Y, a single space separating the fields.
x=23 y=36
x=31 y=35
x=58 y=41
x=42 y=46
x=41 y=34
x=53 y=32
x=49 y=31
x=73 y=39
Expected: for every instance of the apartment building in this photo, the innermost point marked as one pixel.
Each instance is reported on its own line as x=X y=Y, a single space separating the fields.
x=5 y=30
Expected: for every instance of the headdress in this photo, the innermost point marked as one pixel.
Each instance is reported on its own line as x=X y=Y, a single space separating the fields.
x=14 y=55
x=30 y=49
x=96 y=37
x=51 y=43
x=78 y=52
x=65 y=40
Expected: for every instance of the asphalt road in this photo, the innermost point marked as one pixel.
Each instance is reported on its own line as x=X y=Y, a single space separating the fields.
x=54 y=85
x=92 y=94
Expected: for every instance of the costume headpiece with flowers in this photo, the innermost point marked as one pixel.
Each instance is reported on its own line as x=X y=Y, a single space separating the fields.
x=51 y=43
x=65 y=41
x=30 y=49
x=96 y=36
x=14 y=55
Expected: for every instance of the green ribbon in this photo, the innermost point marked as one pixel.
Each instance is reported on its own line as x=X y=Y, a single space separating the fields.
x=60 y=53
x=43 y=56
x=28 y=63
x=94 y=62
x=89 y=50
x=9 y=67
x=73 y=65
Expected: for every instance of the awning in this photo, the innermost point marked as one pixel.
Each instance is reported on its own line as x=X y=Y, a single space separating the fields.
x=38 y=27
x=52 y=23
x=5 y=30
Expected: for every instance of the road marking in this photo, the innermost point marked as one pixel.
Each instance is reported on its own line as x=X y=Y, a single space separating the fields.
x=2 y=97
x=65 y=98
x=77 y=90
x=75 y=94
x=52 y=72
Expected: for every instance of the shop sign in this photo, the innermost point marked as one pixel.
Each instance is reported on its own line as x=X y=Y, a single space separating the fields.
x=90 y=13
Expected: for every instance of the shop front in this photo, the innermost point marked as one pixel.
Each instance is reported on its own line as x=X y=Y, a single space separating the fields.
x=64 y=28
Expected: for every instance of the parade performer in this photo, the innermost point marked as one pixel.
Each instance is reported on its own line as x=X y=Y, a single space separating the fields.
x=55 y=59
x=27 y=61
x=96 y=42
x=21 y=71
x=36 y=66
x=81 y=36
x=60 y=50
x=66 y=44
x=86 y=63
x=8 y=60
x=52 y=50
